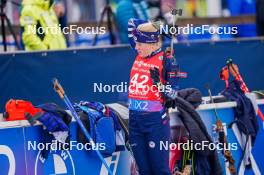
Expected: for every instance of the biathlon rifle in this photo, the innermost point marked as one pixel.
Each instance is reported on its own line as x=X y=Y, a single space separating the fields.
x=222 y=136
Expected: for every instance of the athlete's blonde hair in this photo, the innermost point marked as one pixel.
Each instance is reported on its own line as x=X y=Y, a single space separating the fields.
x=147 y=27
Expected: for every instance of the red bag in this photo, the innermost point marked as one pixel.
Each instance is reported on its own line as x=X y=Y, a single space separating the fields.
x=17 y=109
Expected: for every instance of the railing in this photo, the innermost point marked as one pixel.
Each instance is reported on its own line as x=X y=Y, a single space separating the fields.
x=243 y=19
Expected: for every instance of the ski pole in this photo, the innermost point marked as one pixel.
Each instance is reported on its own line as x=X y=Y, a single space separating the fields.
x=174 y=13
x=222 y=137
x=58 y=88
x=243 y=86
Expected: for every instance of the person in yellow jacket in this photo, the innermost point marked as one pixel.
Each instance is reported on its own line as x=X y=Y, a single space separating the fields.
x=40 y=27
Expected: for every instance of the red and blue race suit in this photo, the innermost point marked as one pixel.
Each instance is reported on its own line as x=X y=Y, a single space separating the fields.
x=143 y=95
x=148 y=121
x=149 y=126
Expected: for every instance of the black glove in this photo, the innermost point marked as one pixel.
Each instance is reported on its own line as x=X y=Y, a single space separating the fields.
x=170 y=103
x=155 y=76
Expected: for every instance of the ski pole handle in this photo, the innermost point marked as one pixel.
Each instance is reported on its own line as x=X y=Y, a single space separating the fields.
x=237 y=75
x=58 y=88
x=229 y=64
x=243 y=86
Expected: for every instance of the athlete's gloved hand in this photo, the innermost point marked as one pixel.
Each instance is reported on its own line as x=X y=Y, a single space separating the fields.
x=168 y=92
x=155 y=76
x=170 y=103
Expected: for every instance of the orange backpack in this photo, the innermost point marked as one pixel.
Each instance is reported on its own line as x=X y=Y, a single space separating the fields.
x=17 y=110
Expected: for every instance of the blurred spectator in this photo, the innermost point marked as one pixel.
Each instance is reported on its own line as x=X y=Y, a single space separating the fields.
x=260 y=17
x=40 y=27
x=60 y=9
x=127 y=9
x=243 y=7
x=83 y=10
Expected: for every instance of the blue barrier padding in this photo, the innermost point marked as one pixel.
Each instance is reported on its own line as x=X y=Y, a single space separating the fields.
x=28 y=75
x=21 y=154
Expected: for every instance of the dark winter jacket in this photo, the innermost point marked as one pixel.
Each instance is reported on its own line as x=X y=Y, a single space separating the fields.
x=206 y=161
x=244 y=112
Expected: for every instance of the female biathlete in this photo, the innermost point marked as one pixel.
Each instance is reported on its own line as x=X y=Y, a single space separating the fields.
x=153 y=79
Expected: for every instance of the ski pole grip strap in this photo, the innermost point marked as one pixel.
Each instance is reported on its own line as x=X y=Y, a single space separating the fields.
x=58 y=88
